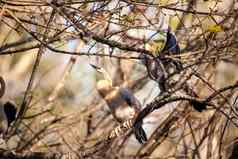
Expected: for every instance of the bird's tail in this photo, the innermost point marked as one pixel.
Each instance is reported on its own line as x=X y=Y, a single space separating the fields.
x=199 y=106
x=140 y=133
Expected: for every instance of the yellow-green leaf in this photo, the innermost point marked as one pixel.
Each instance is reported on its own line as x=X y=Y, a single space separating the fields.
x=214 y=28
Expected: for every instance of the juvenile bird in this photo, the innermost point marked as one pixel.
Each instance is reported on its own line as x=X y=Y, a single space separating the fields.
x=121 y=102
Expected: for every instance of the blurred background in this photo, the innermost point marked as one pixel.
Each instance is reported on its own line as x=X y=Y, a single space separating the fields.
x=53 y=44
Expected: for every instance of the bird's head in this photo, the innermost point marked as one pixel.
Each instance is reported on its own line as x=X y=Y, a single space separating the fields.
x=104 y=84
x=156 y=42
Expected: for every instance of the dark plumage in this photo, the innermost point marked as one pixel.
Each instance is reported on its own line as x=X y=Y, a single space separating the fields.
x=10 y=111
x=7 y=110
x=7 y=116
x=171 y=45
x=157 y=67
x=172 y=48
x=199 y=106
x=139 y=133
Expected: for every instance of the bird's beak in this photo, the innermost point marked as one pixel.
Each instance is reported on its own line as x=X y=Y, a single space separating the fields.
x=94 y=66
x=97 y=68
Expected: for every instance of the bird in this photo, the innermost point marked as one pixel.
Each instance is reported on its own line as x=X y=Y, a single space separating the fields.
x=121 y=102
x=8 y=111
x=171 y=45
x=159 y=67
x=172 y=48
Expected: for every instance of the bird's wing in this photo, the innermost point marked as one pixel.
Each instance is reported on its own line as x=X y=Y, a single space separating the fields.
x=130 y=99
x=171 y=44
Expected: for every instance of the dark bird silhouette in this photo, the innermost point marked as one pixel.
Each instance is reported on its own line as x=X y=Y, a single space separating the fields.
x=171 y=45
x=172 y=48
x=10 y=111
x=7 y=116
x=7 y=111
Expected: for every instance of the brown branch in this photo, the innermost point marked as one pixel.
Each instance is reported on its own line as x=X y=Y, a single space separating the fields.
x=87 y=33
x=6 y=154
x=26 y=98
x=177 y=9
x=164 y=99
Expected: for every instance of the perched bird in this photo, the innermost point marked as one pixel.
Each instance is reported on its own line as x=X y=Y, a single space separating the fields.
x=172 y=48
x=121 y=102
x=171 y=45
x=7 y=111
x=159 y=67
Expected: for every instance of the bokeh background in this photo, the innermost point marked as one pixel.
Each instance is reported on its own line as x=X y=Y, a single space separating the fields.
x=54 y=42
